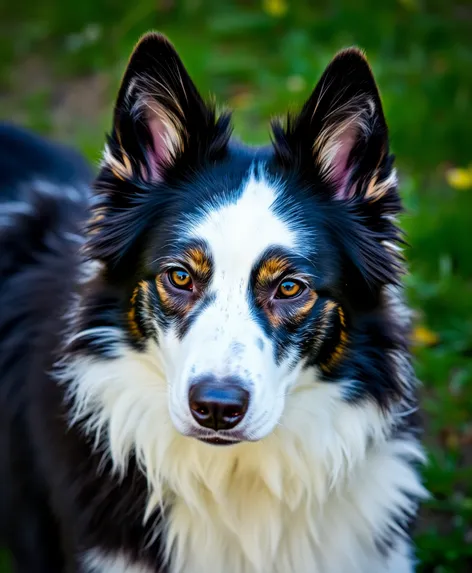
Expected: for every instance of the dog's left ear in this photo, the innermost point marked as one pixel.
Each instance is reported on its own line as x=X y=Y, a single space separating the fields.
x=159 y=117
x=340 y=137
x=163 y=131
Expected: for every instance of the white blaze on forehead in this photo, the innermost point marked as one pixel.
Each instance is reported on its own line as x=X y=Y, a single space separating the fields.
x=239 y=232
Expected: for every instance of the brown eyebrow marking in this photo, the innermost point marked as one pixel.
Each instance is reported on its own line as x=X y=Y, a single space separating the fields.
x=198 y=261
x=270 y=269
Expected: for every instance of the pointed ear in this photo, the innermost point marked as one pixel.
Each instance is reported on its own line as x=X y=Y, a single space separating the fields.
x=159 y=116
x=340 y=136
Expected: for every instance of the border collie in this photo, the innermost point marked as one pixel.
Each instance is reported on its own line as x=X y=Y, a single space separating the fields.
x=204 y=361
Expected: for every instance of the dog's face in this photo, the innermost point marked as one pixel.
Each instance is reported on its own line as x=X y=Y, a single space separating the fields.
x=237 y=284
x=243 y=268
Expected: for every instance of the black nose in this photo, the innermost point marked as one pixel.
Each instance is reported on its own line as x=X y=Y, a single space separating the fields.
x=218 y=404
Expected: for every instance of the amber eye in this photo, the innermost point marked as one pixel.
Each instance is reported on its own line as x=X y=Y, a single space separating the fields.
x=180 y=279
x=289 y=289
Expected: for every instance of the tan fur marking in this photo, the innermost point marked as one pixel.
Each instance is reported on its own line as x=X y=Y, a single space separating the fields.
x=97 y=216
x=168 y=301
x=162 y=291
x=198 y=261
x=301 y=312
x=116 y=174
x=120 y=167
x=275 y=319
x=133 y=325
x=328 y=308
x=126 y=162
x=270 y=270
x=145 y=290
x=340 y=348
x=371 y=190
x=376 y=190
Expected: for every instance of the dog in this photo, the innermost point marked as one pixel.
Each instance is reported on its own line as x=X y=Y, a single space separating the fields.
x=204 y=356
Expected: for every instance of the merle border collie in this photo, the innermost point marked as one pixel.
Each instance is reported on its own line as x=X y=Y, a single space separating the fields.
x=204 y=359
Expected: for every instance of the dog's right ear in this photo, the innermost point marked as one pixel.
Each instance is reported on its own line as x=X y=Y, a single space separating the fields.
x=160 y=117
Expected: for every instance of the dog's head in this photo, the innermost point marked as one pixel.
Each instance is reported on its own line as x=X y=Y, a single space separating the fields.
x=236 y=276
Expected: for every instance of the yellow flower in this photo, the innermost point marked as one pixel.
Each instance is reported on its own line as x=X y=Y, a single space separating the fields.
x=459 y=178
x=422 y=336
x=275 y=8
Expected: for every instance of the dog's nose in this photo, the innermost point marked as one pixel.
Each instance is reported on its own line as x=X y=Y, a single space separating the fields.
x=218 y=404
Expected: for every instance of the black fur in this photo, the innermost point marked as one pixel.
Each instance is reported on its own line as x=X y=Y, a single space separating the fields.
x=43 y=188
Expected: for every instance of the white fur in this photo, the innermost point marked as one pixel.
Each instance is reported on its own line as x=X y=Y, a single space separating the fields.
x=403 y=559
x=96 y=561
x=237 y=233
x=309 y=498
x=396 y=305
x=326 y=478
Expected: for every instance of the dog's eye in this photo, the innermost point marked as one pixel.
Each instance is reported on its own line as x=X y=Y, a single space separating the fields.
x=289 y=289
x=180 y=279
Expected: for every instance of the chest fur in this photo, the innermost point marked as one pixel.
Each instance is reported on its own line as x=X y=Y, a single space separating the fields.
x=243 y=524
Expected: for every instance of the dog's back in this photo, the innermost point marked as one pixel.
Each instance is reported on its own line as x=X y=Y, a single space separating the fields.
x=25 y=156
x=43 y=195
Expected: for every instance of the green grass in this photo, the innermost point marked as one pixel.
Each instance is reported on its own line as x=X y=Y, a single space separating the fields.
x=60 y=64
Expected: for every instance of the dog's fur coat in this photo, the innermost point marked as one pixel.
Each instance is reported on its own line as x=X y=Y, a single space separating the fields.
x=104 y=469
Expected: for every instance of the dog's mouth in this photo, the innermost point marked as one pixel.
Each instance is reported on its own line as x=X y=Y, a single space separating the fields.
x=219 y=441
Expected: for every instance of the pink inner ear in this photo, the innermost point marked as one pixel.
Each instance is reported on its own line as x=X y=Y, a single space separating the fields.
x=166 y=141
x=158 y=156
x=339 y=171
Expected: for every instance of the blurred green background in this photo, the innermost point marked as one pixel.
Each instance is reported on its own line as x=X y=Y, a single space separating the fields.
x=60 y=64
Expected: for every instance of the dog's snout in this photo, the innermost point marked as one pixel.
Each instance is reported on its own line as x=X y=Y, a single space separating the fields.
x=218 y=404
